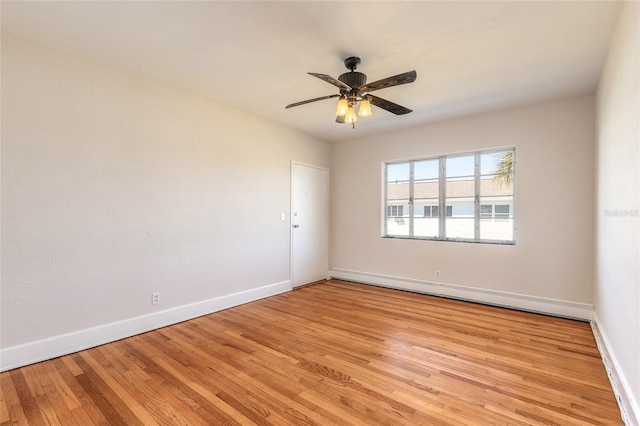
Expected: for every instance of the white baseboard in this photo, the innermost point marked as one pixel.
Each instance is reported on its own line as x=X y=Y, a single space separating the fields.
x=629 y=408
x=52 y=347
x=544 y=305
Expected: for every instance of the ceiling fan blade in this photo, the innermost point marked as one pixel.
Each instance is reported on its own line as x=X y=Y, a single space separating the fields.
x=331 y=80
x=311 y=100
x=396 y=80
x=388 y=105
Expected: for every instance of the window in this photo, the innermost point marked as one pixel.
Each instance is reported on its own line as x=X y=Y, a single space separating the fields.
x=502 y=210
x=434 y=211
x=486 y=210
x=498 y=210
x=395 y=211
x=431 y=211
x=463 y=197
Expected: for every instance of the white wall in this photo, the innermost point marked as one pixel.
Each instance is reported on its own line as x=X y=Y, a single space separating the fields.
x=554 y=251
x=617 y=286
x=114 y=187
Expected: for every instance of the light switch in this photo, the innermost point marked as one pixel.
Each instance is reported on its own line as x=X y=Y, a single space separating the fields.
x=281 y=216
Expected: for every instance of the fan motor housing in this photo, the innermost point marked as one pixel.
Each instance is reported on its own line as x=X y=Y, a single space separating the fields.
x=353 y=79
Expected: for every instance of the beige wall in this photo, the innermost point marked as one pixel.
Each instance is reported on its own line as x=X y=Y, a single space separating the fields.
x=617 y=286
x=114 y=187
x=553 y=255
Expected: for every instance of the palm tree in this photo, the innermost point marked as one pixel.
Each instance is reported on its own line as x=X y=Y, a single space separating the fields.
x=503 y=177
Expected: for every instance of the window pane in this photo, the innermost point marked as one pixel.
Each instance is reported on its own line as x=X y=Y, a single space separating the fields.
x=496 y=189
x=398 y=173
x=426 y=192
x=460 y=180
x=496 y=163
x=398 y=219
x=502 y=209
x=460 y=224
x=498 y=226
x=489 y=187
x=395 y=211
x=460 y=196
x=496 y=173
x=486 y=210
x=426 y=221
x=398 y=199
x=489 y=163
x=500 y=229
x=397 y=182
x=426 y=226
x=460 y=166
x=458 y=227
x=426 y=170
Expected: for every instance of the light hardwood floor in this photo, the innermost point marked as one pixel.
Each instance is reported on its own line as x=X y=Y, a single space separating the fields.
x=330 y=353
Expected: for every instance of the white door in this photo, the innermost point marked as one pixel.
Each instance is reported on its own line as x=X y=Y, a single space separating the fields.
x=310 y=224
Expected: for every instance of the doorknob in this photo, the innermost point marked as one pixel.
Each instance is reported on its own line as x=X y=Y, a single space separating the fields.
x=296 y=226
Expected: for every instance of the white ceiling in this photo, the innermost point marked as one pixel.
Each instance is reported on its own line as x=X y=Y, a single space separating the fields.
x=469 y=56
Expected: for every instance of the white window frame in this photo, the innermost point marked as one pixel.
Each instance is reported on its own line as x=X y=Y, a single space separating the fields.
x=443 y=199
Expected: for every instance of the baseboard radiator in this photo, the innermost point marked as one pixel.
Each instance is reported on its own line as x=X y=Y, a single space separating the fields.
x=543 y=305
x=630 y=414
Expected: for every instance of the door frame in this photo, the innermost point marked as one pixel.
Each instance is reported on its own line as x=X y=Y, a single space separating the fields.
x=313 y=166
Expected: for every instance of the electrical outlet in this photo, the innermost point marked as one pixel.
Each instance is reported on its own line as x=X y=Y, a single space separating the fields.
x=437 y=274
x=155 y=298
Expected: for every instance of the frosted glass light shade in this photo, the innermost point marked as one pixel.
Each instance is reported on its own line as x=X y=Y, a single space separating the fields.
x=365 y=108
x=343 y=107
x=351 y=116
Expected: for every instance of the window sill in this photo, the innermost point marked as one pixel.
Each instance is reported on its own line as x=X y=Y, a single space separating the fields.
x=451 y=240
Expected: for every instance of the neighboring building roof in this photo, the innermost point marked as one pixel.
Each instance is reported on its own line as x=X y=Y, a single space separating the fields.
x=454 y=189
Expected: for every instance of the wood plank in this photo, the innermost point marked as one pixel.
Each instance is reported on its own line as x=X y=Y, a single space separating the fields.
x=27 y=399
x=15 y=413
x=329 y=353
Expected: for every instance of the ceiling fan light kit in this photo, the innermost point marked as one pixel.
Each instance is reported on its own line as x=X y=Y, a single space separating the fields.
x=354 y=90
x=351 y=116
x=365 y=108
x=343 y=106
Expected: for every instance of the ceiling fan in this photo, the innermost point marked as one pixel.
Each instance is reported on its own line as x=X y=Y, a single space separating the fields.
x=354 y=89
